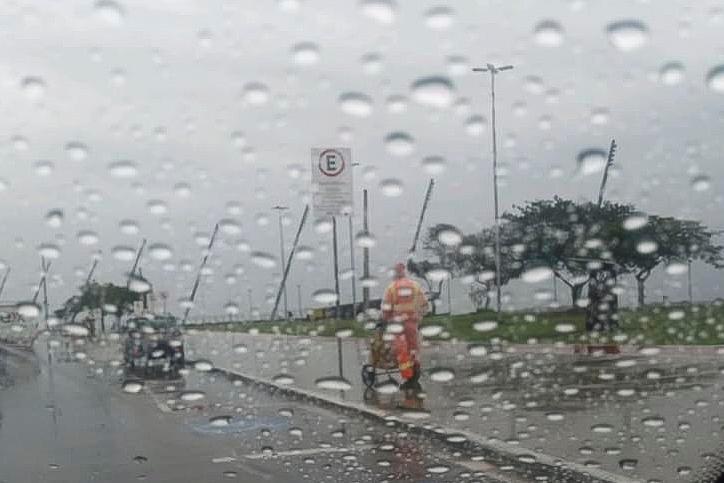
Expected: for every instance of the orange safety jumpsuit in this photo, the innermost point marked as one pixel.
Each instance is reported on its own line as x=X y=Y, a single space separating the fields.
x=405 y=302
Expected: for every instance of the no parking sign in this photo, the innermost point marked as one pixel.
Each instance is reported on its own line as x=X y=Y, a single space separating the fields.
x=332 y=181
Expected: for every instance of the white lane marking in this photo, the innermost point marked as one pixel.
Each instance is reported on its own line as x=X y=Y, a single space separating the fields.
x=309 y=451
x=162 y=406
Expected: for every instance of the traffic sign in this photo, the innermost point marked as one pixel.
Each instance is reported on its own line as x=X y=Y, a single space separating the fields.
x=332 y=181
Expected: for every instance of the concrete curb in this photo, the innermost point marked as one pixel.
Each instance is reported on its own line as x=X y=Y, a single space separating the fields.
x=438 y=433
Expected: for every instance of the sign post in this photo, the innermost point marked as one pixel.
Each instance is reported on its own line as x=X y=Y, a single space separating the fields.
x=332 y=187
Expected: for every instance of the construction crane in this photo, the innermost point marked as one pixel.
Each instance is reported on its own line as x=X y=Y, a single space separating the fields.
x=609 y=163
x=425 y=202
x=5 y=279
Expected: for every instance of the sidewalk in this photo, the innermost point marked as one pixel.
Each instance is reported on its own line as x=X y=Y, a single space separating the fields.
x=540 y=402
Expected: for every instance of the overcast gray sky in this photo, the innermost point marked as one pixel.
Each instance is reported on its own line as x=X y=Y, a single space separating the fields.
x=196 y=111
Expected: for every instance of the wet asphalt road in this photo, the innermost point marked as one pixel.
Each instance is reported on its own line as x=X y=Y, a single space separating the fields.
x=71 y=421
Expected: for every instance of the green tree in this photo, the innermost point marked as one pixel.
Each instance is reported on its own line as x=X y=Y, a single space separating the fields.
x=666 y=240
x=570 y=238
x=107 y=298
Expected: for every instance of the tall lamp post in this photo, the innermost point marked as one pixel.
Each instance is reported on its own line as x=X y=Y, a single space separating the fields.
x=494 y=70
x=281 y=209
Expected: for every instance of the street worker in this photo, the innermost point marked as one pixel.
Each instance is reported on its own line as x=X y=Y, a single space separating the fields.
x=405 y=303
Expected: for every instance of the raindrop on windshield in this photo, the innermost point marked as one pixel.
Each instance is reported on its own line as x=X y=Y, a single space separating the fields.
x=139 y=285
x=436 y=91
x=256 y=93
x=123 y=169
x=76 y=151
x=324 y=296
x=87 y=237
x=442 y=374
x=28 y=309
x=634 y=222
x=305 y=53
x=109 y=12
x=591 y=161
x=537 y=275
x=439 y=18
x=49 y=250
x=715 y=79
x=450 y=237
x=391 y=187
x=54 y=218
x=475 y=125
x=191 y=395
x=382 y=11
x=333 y=383
x=548 y=33
x=646 y=247
x=399 y=144
x=132 y=387
x=355 y=104
x=33 y=88
x=485 y=326
x=263 y=259
x=44 y=168
x=700 y=183
x=627 y=35
x=672 y=73
x=365 y=240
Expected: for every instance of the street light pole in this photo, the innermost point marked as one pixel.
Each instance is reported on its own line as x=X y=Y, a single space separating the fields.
x=494 y=70
x=251 y=306
x=281 y=209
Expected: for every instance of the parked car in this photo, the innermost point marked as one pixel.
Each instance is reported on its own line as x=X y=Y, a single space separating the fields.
x=154 y=346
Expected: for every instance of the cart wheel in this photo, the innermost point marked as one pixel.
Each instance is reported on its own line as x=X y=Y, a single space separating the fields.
x=368 y=375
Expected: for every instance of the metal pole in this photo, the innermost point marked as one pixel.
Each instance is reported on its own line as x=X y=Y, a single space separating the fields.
x=201 y=268
x=365 y=255
x=299 y=300
x=45 y=289
x=354 y=272
x=555 y=289
x=250 y=304
x=135 y=263
x=280 y=209
x=5 y=279
x=336 y=264
x=425 y=202
x=449 y=295
x=494 y=70
x=495 y=191
x=688 y=276
x=289 y=261
x=609 y=163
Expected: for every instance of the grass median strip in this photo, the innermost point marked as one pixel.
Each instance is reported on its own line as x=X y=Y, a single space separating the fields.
x=699 y=324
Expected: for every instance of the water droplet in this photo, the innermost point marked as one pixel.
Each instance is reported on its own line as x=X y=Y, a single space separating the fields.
x=676 y=268
x=475 y=125
x=436 y=91
x=438 y=469
x=441 y=374
x=76 y=151
x=700 y=183
x=399 y=144
x=28 y=309
x=33 y=88
x=602 y=428
x=537 y=275
x=533 y=85
x=439 y=18
x=646 y=247
x=203 y=365
x=54 y=218
x=44 y=168
x=76 y=330
x=396 y=104
x=715 y=79
x=634 y=222
x=450 y=237
x=333 y=383
x=256 y=93
x=132 y=387
x=240 y=349
x=371 y=63
x=220 y=421
x=157 y=207
x=387 y=387
x=627 y=35
x=191 y=395
x=382 y=11
x=355 y=104
x=391 y=187
x=230 y=227
x=139 y=285
x=591 y=161
x=283 y=379
x=87 y=237
x=565 y=328
x=123 y=169
x=304 y=253
x=431 y=330
x=182 y=190
x=628 y=464
x=672 y=73
x=555 y=417
x=365 y=239
x=305 y=53
x=325 y=296
x=653 y=421
x=485 y=325
x=263 y=259
x=129 y=227
x=109 y=12
x=49 y=250
x=548 y=33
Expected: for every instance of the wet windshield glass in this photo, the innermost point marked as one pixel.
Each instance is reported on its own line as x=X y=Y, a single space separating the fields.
x=361 y=240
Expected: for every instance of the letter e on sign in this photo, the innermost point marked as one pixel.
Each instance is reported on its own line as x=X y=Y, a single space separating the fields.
x=331 y=162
